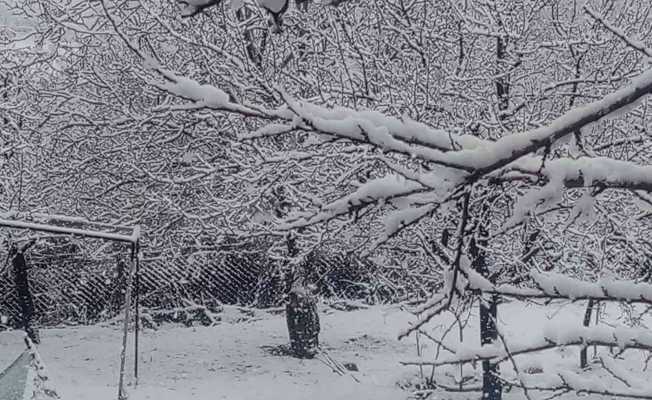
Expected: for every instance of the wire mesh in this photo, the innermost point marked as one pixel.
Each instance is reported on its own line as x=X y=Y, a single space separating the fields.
x=71 y=286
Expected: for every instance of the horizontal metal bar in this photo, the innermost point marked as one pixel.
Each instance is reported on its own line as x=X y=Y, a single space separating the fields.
x=133 y=238
x=75 y=220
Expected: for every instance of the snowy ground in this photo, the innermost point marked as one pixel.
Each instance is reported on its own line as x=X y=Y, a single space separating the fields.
x=235 y=361
x=240 y=360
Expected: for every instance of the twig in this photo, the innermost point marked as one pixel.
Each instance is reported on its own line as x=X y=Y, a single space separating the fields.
x=511 y=359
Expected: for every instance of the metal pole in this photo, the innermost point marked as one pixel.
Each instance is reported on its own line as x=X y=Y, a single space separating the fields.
x=122 y=395
x=8 y=223
x=137 y=327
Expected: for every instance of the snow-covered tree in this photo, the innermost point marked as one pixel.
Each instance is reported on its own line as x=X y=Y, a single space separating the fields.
x=495 y=149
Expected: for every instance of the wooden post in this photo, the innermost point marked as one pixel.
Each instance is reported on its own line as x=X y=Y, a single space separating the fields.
x=122 y=395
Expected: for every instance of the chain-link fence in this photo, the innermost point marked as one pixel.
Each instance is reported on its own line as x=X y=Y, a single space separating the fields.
x=73 y=286
x=67 y=286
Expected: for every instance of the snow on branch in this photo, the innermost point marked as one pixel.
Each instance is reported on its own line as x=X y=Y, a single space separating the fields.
x=596 y=171
x=599 y=172
x=398 y=220
x=508 y=149
x=377 y=191
x=404 y=130
x=582 y=172
x=549 y=286
x=558 y=286
x=206 y=95
x=203 y=95
x=602 y=290
x=474 y=157
x=386 y=133
x=552 y=337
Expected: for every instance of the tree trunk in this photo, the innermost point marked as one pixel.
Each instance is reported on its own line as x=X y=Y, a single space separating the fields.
x=300 y=309
x=25 y=300
x=491 y=385
x=303 y=323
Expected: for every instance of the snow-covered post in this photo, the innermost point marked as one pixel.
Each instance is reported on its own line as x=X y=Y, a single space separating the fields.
x=122 y=394
x=137 y=303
